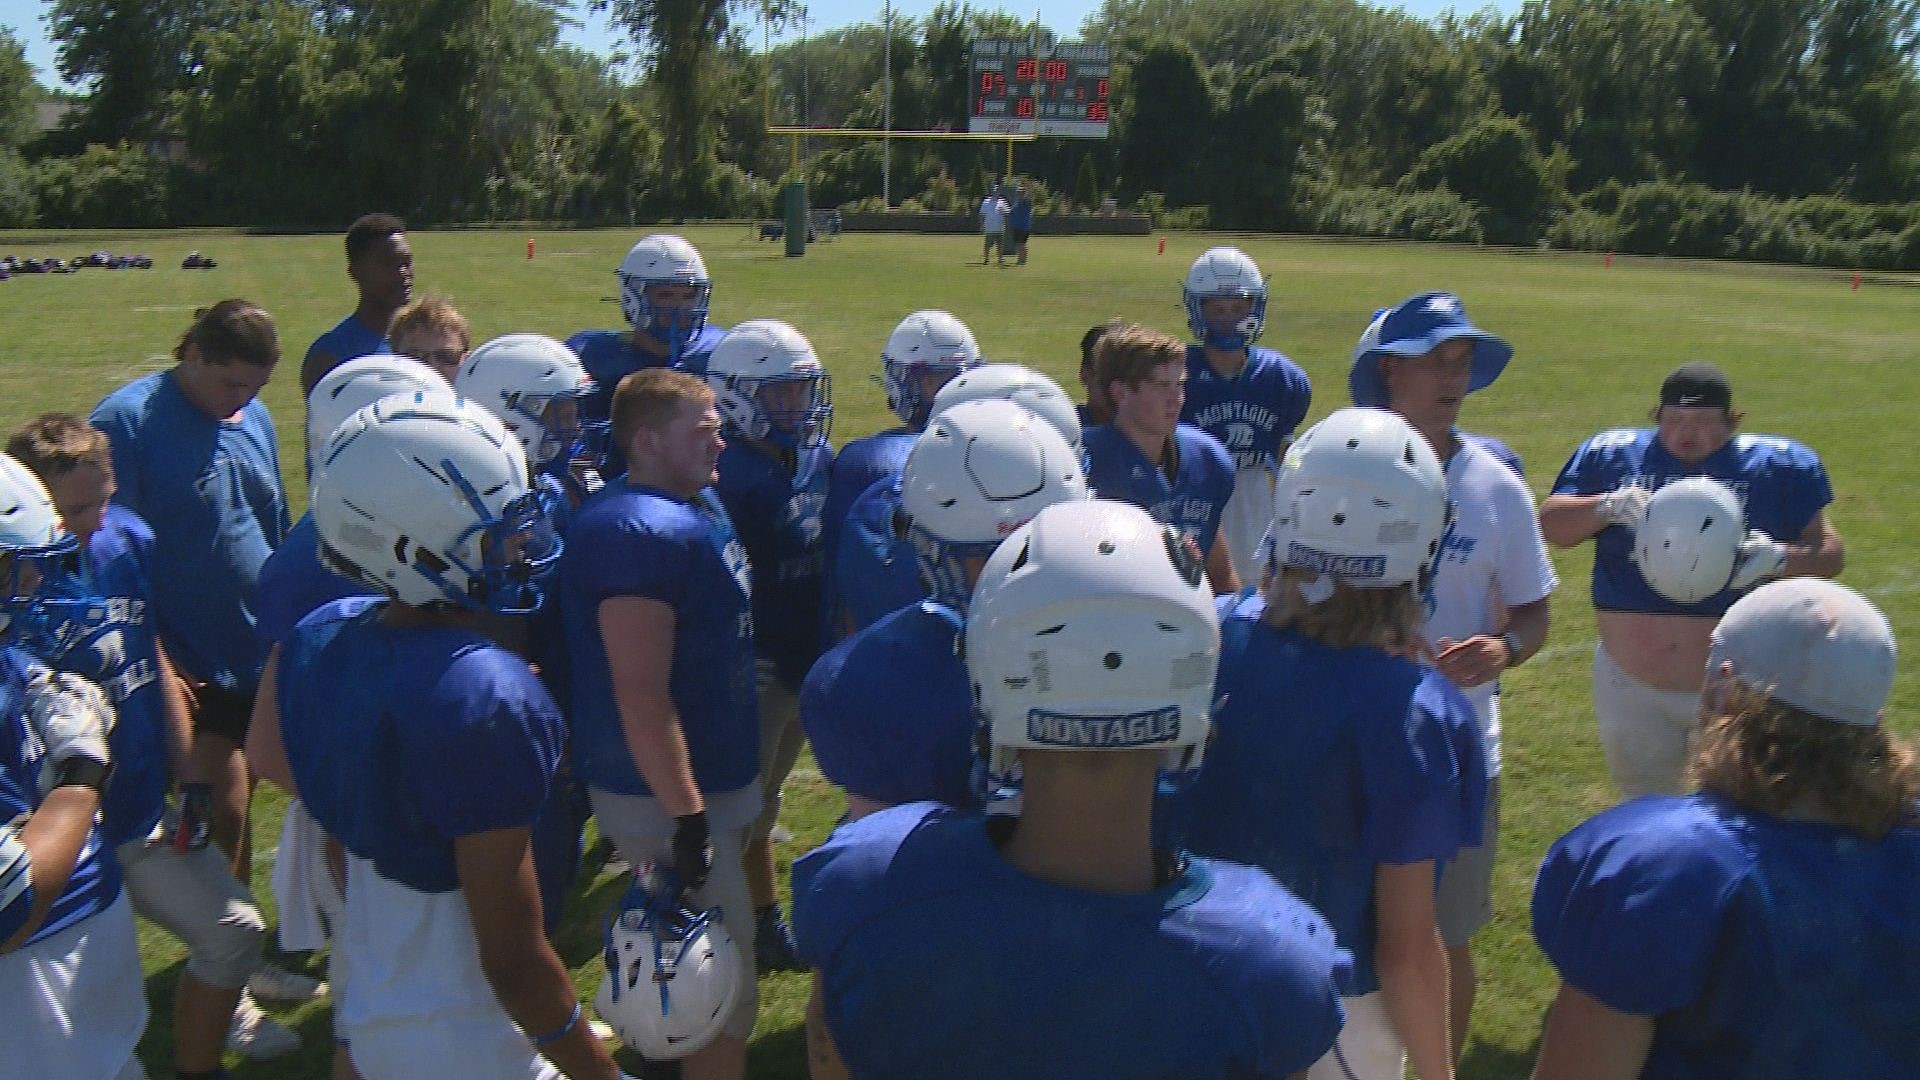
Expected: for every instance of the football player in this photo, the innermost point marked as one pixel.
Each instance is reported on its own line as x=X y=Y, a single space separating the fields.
x=657 y=605
x=664 y=294
x=1248 y=398
x=70 y=980
x=93 y=617
x=774 y=395
x=1146 y=456
x=982 y=469
x=924 y=352
x=196 y=457
x=1340 y=764
x=1092 y=639
x=876 y=555
x=1488 y=610
x=380 y=262
x=432 y=331
x=1765 y=925
x=427 y=749
x=1646 y=668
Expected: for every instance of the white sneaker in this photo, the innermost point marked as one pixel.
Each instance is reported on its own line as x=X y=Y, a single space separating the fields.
x=278 y=984
x=257 y=1036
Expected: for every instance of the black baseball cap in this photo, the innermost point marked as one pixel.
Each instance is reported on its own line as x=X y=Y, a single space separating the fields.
x=1697 y=384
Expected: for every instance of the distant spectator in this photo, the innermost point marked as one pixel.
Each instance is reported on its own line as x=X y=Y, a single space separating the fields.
x=1020 y=222
x=993 y=224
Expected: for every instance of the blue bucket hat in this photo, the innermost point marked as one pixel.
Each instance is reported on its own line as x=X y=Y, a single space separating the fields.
x=1416 y=327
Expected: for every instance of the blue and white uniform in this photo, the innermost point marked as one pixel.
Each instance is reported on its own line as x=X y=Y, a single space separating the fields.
x=293 y=583
x=72 y=992
x=876 y=571
x=349 y=339
x=609 y=356
x=1195 y=499
x=1762 y=947
x=401 y=742
x=776 y=510
x=1218 y=973
x=1253 y=415
x=634 y=541
x=1326 y=763
x=211 y=491
x=866 y=736
x=1779 y=482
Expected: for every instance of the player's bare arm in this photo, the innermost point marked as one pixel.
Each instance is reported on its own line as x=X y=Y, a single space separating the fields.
x=1586 y=1040
x=823 y=1057
x=503 y=900
x=1819 y=551
x=639 y=636
x=266 y=753
x=53 y=837
x=1413 y=965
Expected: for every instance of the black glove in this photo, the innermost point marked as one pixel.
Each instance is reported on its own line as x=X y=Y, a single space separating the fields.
x=692 y=854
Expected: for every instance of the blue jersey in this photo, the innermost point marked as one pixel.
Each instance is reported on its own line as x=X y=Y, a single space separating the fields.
x=96 y=876
x=1192 y=502
x=876 y=570
x=1252 y=414
x=1326 y=763
x=1781 y=484
x=609 y=356
x=211 y=491
x=855 y=469
x=1763 y=948
x=112 y=642
x=775 y=507
x=349 y=339
x=403 y=740
x=889 y=711
x=294 y=582
x=642 y=542
x=1504 y=454
x=940 y=960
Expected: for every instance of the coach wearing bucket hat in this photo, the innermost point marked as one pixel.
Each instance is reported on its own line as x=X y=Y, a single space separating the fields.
x=1764 y=926
x=1646 y=668
x=1488 y=608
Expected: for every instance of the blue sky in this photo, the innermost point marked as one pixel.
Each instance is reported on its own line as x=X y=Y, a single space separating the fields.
x=1063 y=16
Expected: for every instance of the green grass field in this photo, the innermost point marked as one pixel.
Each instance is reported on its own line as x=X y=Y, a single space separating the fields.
x=1810 y=358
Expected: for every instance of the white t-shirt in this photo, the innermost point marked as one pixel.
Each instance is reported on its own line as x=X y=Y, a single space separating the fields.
x=1492 y=558
x=993 y=213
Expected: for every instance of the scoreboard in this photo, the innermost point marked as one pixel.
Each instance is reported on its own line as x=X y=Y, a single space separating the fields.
x=1018 y=89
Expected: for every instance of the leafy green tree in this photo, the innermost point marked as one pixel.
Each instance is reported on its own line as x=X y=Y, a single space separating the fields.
x=1086 y=186
x=134 y=54
x=1256 y=150
x=1495 y=165
x=1166 y=110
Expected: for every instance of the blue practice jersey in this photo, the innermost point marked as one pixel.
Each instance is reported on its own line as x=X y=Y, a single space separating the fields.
x=1192 y=503
x=857 y=467
x=349 y=339
x=211 y=491
x=1254 y=413
x=609 y=356
x=889 y=711
x=642 y=542
x=1326 y=763
x=775 y=507
x=1781 y=484
x=96 y=876
x=401 y=741
x=1764 y=948
x=1504 y=454
x=293 y=583
x=876 y=570
x=942 y=960
x=111 y=641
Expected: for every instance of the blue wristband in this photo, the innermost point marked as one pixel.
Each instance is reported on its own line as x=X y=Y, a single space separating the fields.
x=560 y=1032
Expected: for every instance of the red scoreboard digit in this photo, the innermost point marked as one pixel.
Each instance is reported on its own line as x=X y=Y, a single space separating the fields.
x=1059 y=90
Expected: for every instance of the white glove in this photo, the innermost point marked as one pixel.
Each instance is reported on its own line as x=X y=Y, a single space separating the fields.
x=1624 y=506
x=70 y=716
x=1760 y=557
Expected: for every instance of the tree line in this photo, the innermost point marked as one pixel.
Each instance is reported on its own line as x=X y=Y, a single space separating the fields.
x=1778 y=129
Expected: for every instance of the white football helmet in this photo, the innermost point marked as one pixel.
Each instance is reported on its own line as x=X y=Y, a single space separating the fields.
x=359 y=383
x=924 y=342
x=426 y=499
x=673 y=976
x=517 y=378
x=1023 y=386
x=1225 y=272
x=1690 y=539
x=981 y=470
x=1361 y=498
x=1092 y=628
x=31 y=533
x=664 y=259
x=755 y=356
